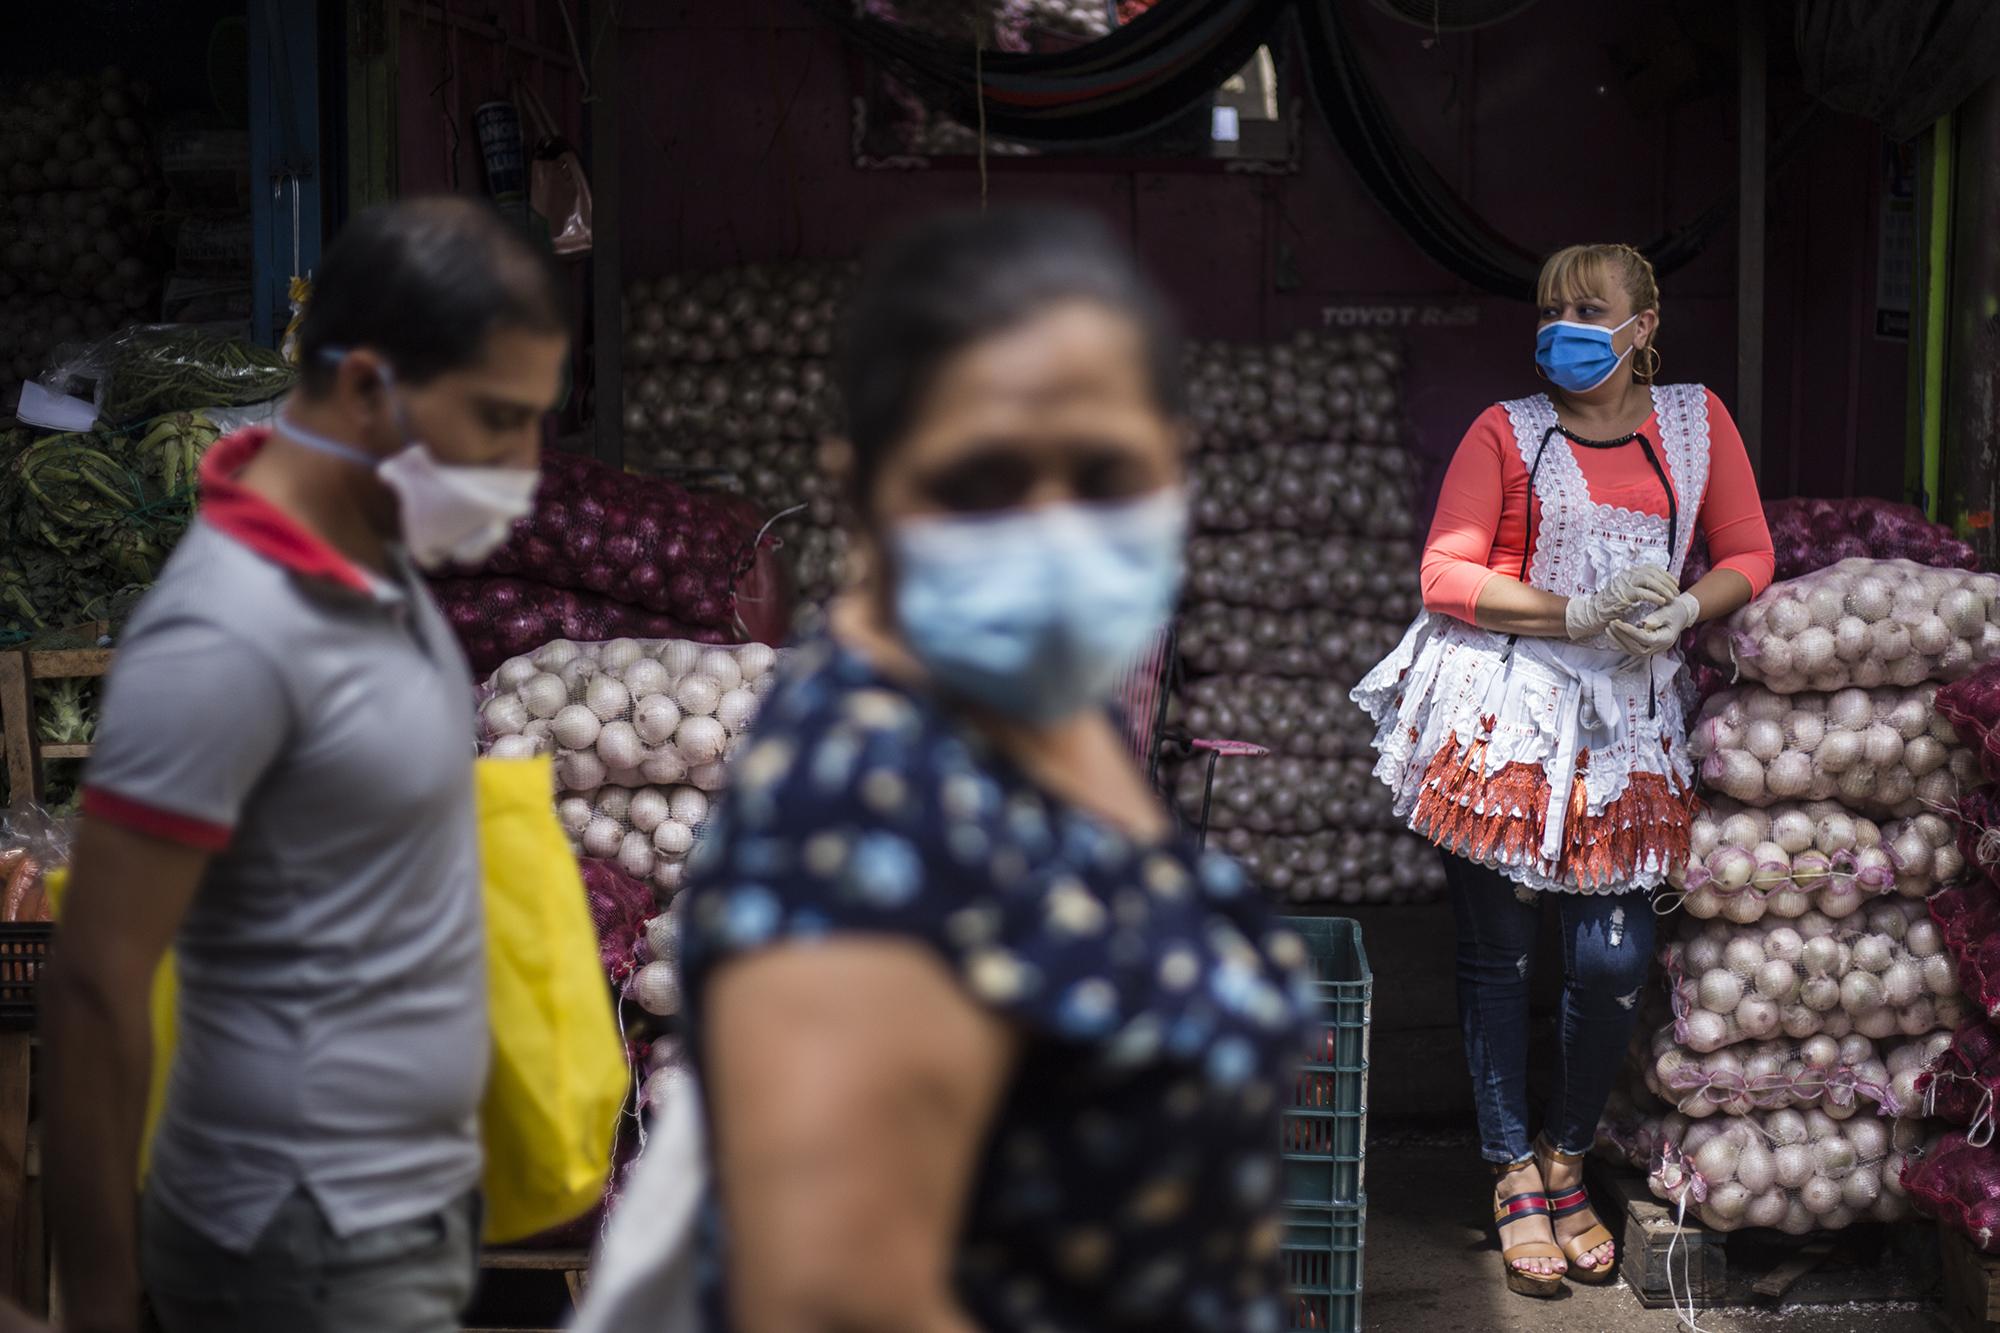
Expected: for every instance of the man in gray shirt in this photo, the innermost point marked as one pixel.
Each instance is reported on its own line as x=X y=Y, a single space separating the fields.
x=283 y=793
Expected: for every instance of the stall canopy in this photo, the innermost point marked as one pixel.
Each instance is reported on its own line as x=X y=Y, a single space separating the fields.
x=1175 y=55
x=1902 y=65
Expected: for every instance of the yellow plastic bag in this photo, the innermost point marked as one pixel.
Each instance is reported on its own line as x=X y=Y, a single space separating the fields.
x=558 y=1079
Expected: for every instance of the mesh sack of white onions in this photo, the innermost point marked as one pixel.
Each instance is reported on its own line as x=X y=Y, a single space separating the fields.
x=782 y=309
x=1627 y=1131
x=1865 y=623
x=1348 y=866
x=1746 y=862
x=1879 y=752
x=766 y=399
x=656 y=986
x=1366 y=490
x=1318 y=386
x=1317 y=643
x=1797 y=1171
x=1287 y=795
x=1885 y=975
x=1839 y=1075
x=640 y=731
x=1297 y=717
x=1277 y=571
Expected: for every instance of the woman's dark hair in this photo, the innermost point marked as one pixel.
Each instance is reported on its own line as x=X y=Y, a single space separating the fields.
x=426 y=282
x=962 y=277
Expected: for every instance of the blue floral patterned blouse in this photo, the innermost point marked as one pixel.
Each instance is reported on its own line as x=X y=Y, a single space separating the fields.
x=1130 y=1180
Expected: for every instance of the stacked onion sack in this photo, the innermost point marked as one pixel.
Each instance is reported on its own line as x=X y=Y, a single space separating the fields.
x=606 y=555
x=728 y=374
x=1808 y=987
x=640 y=731
x=75 y=262
x=1302 y=574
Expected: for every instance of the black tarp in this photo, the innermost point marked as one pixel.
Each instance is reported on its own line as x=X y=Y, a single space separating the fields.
x=1901 y=63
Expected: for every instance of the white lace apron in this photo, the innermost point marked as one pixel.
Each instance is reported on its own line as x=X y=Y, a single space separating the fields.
x=1561 y=765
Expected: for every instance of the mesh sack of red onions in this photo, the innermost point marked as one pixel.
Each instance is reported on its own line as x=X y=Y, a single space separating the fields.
x=1842 y=1076
x=1810 y=533
x=1793 y=1170
x=1865 y=623
x=619 y=907
x=1290 y=796
x=1315 y=386
x=1627 y=1131
x=640 y=731
x=643 y=541
x=1968 y=918
x=1885 y=974
x=1958 y=1183
x=1318 y=643
x=1344 y=865
x=1979 y=830
x=1279 y=571
x=1879 y=752
x=1296 y=718
x=1961 y=1081
x=1747 y=862
x=1972 y=706
x=496 y=619
x=1338 y=488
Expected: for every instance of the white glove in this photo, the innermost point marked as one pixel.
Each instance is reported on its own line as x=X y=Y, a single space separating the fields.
x=1659 y=631
x=1590 y=615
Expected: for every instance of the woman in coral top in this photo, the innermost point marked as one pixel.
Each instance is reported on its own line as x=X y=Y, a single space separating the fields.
x=1531 y=725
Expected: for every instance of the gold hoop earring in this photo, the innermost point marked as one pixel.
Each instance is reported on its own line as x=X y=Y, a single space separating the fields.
x=1646 y=370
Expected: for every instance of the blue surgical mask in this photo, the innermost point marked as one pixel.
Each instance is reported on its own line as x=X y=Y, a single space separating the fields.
x=1037 y=613
x=1577 y=357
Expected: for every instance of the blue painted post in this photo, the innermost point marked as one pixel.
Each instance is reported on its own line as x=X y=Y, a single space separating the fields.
x=285 y=172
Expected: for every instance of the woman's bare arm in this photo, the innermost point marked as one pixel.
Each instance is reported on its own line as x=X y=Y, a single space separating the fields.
x=851 y=1085
x=1509 y=606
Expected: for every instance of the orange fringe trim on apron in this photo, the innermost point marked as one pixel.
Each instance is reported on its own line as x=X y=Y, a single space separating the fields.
x=1483 y=816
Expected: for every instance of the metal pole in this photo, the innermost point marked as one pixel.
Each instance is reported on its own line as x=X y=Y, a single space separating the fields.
x=1752 y=142
x=607 y=279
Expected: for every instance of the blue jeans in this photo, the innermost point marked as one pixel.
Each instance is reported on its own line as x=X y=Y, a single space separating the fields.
x=1607 y=943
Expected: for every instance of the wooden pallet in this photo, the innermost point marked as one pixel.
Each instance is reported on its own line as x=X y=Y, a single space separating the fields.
x=1712 y=1268
x=1971 y=1285
x=71 y=654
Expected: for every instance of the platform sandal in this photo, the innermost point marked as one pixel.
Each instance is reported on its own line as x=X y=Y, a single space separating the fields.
x=1533 y=1203
x=1568 y=1203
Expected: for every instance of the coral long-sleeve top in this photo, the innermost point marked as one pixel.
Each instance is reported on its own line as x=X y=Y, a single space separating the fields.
x=1481 y=525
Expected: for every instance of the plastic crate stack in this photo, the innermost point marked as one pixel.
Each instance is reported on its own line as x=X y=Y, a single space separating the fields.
x=1324 y=1137
x=1808 y=980
x=1302 y=574
x=728 y=380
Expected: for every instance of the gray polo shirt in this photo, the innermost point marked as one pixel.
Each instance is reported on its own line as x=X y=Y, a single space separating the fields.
x=313 y=728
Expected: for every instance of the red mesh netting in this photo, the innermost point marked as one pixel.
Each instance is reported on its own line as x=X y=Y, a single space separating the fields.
x=1979 y=830
x=1959 y=1184
x=1972 y=706
x=496 y=619
x=643 y=541
x=1968 y=916
x=1959 y=1085
x=1810 y=534
x=619 y=907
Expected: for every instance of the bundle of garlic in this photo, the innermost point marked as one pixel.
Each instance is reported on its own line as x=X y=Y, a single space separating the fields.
x=1881 y=751
x=1747 y=862
x=1863 y=623
x=1886 y=975
x=640 y=730
x=1841 y=1076
x=1796 y=1171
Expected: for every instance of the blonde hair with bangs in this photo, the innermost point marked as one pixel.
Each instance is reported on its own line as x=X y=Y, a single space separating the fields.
x=1583 y=270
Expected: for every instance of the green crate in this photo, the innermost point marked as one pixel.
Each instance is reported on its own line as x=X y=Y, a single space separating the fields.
x=1321 y=1249
x=1324 y=1133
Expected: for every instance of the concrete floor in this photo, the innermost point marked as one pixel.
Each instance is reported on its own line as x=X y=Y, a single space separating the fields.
x=1432 y=1264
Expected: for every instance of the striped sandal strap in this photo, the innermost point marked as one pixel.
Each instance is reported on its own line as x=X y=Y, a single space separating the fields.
x=1518 y=1206
x=1571 y=1201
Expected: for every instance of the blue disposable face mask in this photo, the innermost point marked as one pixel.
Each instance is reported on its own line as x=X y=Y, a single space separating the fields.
x=1037 y=613
x=1578 y=357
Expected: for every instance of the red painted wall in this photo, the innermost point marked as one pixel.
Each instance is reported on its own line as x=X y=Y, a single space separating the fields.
x=736 y=125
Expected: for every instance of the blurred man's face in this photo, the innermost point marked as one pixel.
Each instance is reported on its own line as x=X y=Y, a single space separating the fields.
x=488 y=414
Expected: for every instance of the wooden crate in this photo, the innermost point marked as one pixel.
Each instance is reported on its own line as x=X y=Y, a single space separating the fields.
x=1712 y=1268
x=1971 y=1285
x=66 y=656
x=571 y=1266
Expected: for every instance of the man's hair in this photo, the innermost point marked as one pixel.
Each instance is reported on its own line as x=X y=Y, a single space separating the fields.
x=425 y=282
